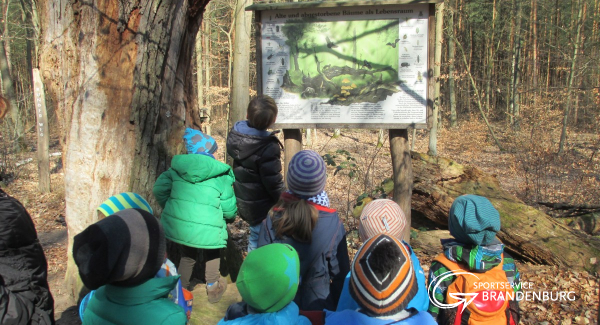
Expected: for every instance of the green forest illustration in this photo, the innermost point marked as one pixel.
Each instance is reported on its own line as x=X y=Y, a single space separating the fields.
x=345 y=61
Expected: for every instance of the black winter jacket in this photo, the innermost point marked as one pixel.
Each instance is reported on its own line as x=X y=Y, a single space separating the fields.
x=324 y=262
x=24 y=294
x=257 y=169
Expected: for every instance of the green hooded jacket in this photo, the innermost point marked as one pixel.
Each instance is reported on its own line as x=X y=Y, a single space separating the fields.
x=197 y=197
x=143 y=304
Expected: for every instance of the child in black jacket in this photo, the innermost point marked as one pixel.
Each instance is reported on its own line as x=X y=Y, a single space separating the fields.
x=24 y=294
x=256 y=157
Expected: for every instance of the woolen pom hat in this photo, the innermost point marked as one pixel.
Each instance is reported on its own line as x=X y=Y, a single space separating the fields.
x=382 y=279
x=306 y=174
x=381 y=216
x=124 y=249
x=122 y=201
x=268 y=277
x=473 y=220
x=198 y=142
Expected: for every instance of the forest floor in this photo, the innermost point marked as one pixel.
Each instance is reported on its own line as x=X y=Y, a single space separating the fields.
x=469 y=143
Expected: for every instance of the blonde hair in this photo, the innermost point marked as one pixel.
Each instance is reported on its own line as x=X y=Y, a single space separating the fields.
x=295 y=219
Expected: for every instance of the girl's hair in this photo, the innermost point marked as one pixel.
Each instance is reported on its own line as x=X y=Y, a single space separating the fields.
x=294 y=218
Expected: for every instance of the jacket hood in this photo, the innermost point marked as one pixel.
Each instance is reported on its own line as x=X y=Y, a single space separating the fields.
x=477 y=258
x=243 y=127
x=239 y=314
x=152 y=289
x=16 y=227
x=198 y=168
x=241 y=146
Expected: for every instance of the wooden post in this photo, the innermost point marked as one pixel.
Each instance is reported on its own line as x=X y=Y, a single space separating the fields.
x=292 y=141
x=43 y=142
x=403 y=175
x=240 y=96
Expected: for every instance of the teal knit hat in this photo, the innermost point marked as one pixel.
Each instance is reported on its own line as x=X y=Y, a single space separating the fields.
x=473 y=220
x=268 y=278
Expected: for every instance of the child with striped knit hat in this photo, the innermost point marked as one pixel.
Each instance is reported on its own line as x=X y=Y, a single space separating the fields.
x=382 y=282
x=303 y=219
x=386 y=216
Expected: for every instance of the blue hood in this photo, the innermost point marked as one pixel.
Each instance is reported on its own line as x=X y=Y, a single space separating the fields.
x=238 y=314
x=244 y=128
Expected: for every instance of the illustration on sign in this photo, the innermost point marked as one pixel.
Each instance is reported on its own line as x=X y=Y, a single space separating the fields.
x=350 y=66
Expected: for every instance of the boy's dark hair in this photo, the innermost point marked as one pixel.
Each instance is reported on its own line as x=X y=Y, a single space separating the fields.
x=262 y=112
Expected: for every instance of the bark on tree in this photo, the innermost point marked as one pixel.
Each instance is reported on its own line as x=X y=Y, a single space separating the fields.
x=292 y=142
x=515 y=74
x=490 y=60
x=120 y=75
x=563 y=134
x=7 y=80
x=43 y=141
x=439 y=23
x=206 y=32
x=403 y=174
x=534 y=55
x=451 y=68
x=241 y=63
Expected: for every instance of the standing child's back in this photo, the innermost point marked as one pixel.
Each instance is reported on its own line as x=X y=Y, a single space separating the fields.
x=256 y=157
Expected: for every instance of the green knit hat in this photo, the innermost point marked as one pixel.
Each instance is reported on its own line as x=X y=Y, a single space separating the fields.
x=268 y=278
x=473 y=220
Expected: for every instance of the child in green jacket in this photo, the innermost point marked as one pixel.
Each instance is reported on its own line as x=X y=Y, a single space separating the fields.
x=119 y=257
x=197 y=198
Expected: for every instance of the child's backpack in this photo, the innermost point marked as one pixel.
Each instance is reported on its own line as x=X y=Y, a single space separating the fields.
x=490 y=306
x=178 y=295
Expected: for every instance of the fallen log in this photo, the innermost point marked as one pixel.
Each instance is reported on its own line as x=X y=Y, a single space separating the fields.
x=527 y=232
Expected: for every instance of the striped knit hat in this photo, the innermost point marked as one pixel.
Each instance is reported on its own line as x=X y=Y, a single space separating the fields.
x=383 y=280
x=306 y=174
x=126 y=200
x=379 y=216
x=473 y=220
x=123 y=249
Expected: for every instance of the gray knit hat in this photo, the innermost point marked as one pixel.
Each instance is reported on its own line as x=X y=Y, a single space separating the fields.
x=306 y=174
x=473 y=220
x=124 y=249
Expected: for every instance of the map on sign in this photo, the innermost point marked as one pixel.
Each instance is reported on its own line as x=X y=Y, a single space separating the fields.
x=357 y=66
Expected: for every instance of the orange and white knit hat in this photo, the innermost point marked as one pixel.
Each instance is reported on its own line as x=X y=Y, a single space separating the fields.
x=381 y=216
x=382 y=279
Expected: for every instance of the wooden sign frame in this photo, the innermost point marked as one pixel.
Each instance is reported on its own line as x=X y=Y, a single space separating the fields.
x=294 y=8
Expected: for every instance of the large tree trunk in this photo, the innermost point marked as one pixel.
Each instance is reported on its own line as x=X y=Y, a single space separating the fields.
x=515 y=73
x=439 y=22
x=451 y=68
x=241 y=63
x=120 y=75
x=563 y=134
x=526 y=231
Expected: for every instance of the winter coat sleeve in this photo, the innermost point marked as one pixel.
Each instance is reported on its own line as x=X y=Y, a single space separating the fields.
x=228 y=201
x=162 y=188
x=339 y=266
x=442 y=316
x=514 y=277
x=269 y=169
